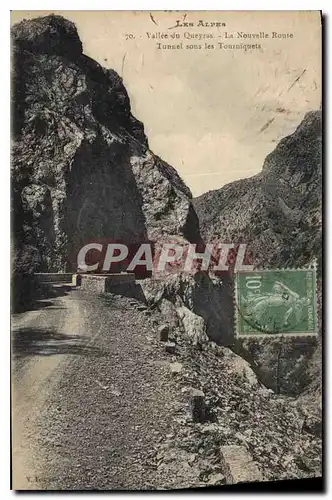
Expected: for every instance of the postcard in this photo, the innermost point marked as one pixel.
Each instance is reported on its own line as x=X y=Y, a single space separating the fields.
x=166 y=210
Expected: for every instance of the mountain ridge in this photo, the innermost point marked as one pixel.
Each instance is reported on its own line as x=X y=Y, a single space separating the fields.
x=277 y=207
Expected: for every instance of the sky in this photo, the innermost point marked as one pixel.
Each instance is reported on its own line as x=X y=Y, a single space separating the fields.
x=213 y=114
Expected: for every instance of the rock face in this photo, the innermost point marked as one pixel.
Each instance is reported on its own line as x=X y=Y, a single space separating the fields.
x=211 y=301
x=193 y=325
x=278 y=212
x=82 y=170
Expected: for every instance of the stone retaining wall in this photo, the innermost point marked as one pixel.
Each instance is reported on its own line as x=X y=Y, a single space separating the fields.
x=53 y=277
x=105 y=282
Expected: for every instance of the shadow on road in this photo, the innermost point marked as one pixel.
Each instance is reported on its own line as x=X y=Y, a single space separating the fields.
x=43 y=342
x=39 y=296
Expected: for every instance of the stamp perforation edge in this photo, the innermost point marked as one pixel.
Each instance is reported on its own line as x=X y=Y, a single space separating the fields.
x=313 y=267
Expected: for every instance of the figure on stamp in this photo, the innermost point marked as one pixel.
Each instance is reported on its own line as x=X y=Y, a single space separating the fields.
x=276 y=307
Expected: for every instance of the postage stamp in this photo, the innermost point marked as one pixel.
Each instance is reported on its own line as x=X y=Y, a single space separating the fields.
x=278 y=302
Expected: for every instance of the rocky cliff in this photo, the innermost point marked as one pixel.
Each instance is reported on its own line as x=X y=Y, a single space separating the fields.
x=278 y=212
x=82 y=169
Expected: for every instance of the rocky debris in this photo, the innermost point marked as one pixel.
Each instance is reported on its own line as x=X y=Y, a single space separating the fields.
x=313 y=425
x=163 y=332
x=207 y=297
x=197 y=405
x=176 y=367
x=194 y=325
x=141 y=307
x=241 y=368
x=240 y=411
x=283 y=365
x=309 y=407
x=216 y=480
x=174 y=466
x=238 y=465
x=167 y=309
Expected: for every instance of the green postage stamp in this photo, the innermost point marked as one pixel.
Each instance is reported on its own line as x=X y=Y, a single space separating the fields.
x=276 y=302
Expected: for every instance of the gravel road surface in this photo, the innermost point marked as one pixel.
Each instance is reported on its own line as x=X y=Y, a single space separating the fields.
x=92 y=395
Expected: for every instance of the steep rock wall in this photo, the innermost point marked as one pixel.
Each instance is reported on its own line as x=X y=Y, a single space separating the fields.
x=82 y=170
